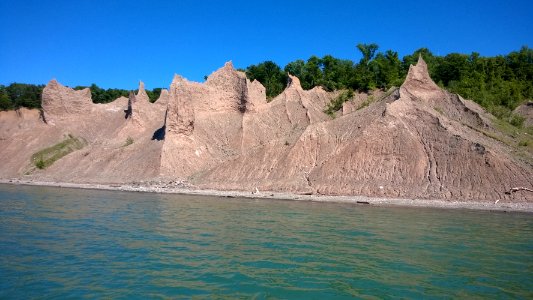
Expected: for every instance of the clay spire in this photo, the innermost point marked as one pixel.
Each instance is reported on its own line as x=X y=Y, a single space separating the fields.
x=419 y=73
x=293 y=82
x=229 y=65
x=141 y=94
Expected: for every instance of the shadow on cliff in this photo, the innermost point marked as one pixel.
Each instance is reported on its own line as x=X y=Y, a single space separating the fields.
x=159 y=134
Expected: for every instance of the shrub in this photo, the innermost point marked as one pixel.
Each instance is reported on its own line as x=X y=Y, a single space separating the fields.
x=336 y=104
x=40 y=163
x=129 y=141
x=516 y=120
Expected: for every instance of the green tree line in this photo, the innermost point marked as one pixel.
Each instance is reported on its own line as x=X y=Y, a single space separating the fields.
x=18 y=95
x=498 y=83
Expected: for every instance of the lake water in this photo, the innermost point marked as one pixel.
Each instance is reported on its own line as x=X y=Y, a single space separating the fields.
x=68 y=243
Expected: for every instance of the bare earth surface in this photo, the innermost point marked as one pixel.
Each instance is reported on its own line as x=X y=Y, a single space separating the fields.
x=173 y=188
x=414 y=142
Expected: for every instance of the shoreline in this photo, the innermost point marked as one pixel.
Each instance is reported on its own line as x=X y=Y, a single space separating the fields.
x=269 y=195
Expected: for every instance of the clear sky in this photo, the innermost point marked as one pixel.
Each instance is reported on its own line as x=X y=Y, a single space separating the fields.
x=116 y=43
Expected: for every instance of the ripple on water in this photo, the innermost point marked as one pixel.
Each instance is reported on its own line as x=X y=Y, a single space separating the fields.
x=66 y=243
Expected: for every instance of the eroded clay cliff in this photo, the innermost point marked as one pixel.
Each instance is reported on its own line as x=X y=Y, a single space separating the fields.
x=417 y=141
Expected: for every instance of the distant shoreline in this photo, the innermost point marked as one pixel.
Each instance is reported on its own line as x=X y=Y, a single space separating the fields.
x=266 y=195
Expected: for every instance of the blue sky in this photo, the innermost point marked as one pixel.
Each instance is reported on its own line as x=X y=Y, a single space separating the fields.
x=117 y=43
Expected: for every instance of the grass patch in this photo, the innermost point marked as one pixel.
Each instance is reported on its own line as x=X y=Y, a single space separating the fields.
x=496 y=137
x=507 y=128
x=521 y=140
x=128 y=142
x=47 y=156
x=336 y=104
x=519 y=137
x=372 y=99
x=367 y=102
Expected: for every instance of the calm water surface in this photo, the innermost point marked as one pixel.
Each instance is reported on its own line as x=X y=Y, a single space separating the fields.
x=67 y=243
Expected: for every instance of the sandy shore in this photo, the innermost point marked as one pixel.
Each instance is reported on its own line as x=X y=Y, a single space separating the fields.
x=359 y=200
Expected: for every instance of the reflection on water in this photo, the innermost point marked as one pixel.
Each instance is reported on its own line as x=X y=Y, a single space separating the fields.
x=79 y=243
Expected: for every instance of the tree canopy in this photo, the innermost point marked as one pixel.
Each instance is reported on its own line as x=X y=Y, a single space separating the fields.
x=270 y=75
x=18 y=95
x=498 y=83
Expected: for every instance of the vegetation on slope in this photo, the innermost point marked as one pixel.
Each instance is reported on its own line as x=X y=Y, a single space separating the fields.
x=47 y=156
x=336 y=104
x=499 y=83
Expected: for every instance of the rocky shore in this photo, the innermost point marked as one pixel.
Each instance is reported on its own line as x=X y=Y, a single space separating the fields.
x=178 y=187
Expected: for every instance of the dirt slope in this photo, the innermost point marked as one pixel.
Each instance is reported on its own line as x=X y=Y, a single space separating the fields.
x=417 y=141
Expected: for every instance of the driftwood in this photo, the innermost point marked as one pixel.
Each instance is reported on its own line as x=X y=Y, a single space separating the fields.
x=516 y=189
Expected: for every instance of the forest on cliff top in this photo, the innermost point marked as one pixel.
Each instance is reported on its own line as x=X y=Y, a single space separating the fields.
x=499 y=83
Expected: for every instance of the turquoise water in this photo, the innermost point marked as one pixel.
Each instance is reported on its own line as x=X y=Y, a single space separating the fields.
x=67 y=243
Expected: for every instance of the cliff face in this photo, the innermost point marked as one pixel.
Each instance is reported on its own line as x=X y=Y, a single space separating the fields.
x=61 y=103
x=104 y=130
x=417 y=141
